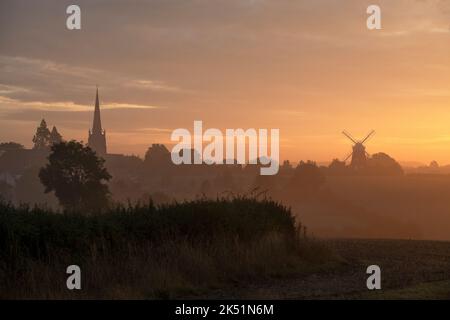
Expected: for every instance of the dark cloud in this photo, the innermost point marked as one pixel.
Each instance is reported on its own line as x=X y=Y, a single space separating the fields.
x=213 y=48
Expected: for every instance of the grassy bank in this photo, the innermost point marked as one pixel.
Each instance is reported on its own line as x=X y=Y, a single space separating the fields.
x=145 y=251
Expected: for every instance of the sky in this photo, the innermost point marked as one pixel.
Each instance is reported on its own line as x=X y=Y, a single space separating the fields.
x=308 y=68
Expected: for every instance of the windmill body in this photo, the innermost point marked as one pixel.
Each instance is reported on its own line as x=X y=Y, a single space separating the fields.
x=359 y=157
x=359 y=154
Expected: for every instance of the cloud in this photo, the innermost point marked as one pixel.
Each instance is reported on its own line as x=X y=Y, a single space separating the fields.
x=155 y=130
x=9 y=90
x=127 y=106
x=151 y=85
x=441 y=30
x=9 y=104
x=39 y=82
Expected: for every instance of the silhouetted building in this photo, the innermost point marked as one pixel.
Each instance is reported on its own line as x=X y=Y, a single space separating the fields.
x=97 y=137
x=359 y=153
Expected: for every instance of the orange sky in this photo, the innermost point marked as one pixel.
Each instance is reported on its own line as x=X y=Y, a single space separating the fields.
x=309 y=68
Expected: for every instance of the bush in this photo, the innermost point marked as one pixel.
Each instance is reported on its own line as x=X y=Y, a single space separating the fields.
x=191 y=245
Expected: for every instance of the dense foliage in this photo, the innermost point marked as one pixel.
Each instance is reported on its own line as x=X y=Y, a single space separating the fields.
x=146 y=251
x=77 y=176
x=34 y=232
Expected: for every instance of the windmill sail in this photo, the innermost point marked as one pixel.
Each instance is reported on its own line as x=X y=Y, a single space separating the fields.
x=359 y=154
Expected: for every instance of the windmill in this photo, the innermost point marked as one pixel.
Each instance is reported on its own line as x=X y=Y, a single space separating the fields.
x=359 y=153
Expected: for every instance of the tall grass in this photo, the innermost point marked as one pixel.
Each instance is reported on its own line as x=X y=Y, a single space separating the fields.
x=147 y=251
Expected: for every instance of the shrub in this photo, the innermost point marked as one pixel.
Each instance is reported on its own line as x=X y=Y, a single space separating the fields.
x=148 y=250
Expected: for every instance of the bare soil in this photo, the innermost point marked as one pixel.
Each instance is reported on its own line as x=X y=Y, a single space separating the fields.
x=410 y=269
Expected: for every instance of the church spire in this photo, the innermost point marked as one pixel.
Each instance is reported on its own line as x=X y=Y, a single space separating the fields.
x=97 y=137
x=97 y=125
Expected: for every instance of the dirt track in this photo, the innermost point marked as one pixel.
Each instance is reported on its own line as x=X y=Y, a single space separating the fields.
x=410 y=269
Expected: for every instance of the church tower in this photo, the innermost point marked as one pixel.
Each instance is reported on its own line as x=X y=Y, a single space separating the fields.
x=97 y=136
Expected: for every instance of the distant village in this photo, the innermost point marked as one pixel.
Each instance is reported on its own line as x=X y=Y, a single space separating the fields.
x=155 y=176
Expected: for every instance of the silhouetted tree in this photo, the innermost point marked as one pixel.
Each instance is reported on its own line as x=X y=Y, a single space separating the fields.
x=10 y=146
x=307 y=179
x=30 y=190
x=77 y=176
x=41 y=139
x=382 y=164
x=157 y=156
x=286 y=166
x=337 y=167
x=5 y=191
x=157 y=164
x=55 y=137
x=434 y=164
